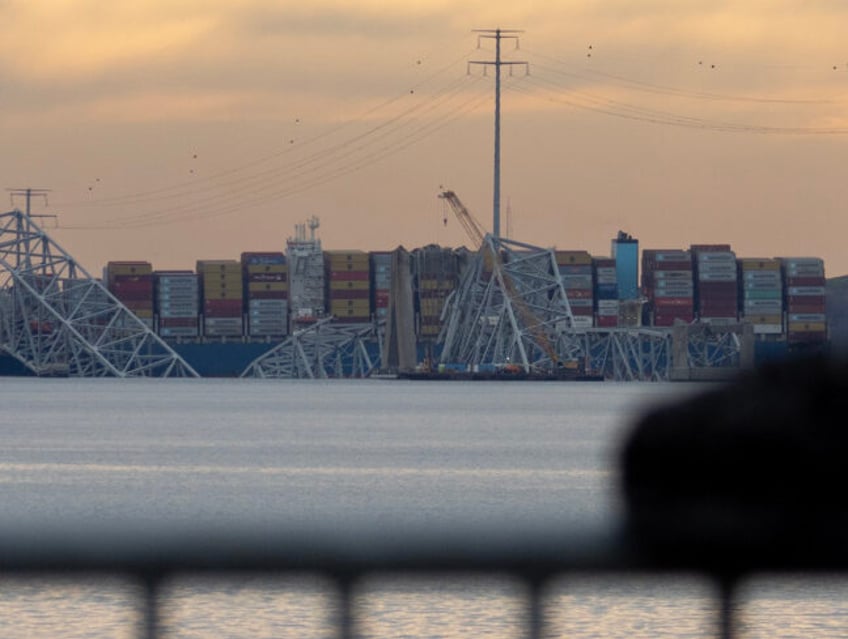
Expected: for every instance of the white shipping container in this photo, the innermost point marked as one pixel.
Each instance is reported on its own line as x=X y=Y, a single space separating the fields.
x=717 y=277
x=582 y=322
x=756 y=285
x=672 y=275
x=177 y=314
x=807 y=317
x=719 y=321
x=764 y=276
x=672 y=256
x=718 y=266
x=768 y=329
x=716 y=256
x=178 y=331
x=672 y=294
x=806 y=290
x=790 y=262
x=608 y=304
x=582 y=282
x=764 y=306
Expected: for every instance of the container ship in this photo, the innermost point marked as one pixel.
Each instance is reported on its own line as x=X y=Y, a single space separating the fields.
x=227 y=312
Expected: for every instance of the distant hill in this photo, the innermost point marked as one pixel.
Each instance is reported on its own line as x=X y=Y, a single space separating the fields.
x=837 y=312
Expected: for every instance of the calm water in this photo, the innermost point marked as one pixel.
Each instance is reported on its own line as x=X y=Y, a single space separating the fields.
x=338 y=453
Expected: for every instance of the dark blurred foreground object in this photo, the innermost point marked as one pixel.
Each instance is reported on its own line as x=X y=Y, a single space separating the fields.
x=749 y=475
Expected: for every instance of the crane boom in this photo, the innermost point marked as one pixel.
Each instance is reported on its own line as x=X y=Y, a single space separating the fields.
x=472 y=227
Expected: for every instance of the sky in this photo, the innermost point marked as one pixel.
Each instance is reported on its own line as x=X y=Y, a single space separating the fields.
x=178 y=130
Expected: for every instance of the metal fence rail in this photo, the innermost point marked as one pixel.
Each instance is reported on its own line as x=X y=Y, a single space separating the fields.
x=534 y=556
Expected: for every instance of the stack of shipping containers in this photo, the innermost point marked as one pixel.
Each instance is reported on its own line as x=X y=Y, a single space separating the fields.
x=575 y=270
x=348 y=276
x=606 y=292
x=668 y=285
x=381 y=283
x=436 y=275
x=222 y=291
x=132 y=284
x=266 y=293
x=177 y=296
x=761 y=295
x=716 y=289
x=804 y=287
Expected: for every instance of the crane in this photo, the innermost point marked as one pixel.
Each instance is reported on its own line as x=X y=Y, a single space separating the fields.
x=531 y=323
x=472 y=227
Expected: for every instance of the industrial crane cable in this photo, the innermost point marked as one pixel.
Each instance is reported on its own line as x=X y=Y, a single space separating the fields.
x=659 y=89
x=191 y=187
x=196 y=211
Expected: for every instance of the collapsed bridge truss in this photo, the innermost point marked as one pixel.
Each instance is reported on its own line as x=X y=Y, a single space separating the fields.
x=323 y=350
x=58 y=320
x=511 y=308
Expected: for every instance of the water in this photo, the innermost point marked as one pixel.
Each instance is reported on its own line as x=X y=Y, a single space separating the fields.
x=341 y=453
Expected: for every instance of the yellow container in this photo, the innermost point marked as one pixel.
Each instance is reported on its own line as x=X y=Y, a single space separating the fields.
x=806 y=327
x=763 y=319
x=217 y=266
x=759 y=264
x=567 y=258
x=349 y=285
x=266 y=268
x=118 y=269
x=347 y=260
x=359 y=306
x=258 y=287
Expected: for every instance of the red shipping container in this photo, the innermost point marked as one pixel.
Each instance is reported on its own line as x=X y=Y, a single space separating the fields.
x=350 y=295
x=222 y=308
x=673 y=301
x=811 y=337
x=606 y=321
x=268 y=295
x=806 y=300
x=805 y=281
x=344 y=276
x=177 y=322
x=800 y=309
x=713 y=286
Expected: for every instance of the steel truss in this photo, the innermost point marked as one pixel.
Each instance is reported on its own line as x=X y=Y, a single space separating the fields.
x=629 y=354
x=58 y=320
x=510 y=308
x=326 y=349
x=713 y=346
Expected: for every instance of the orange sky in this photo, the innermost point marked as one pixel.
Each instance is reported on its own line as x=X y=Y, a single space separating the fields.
x=176 y=131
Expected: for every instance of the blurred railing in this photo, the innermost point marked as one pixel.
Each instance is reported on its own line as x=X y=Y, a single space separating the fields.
x=535 y=556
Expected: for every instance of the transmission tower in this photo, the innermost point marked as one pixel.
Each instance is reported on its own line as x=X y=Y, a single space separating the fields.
x=497 y=35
